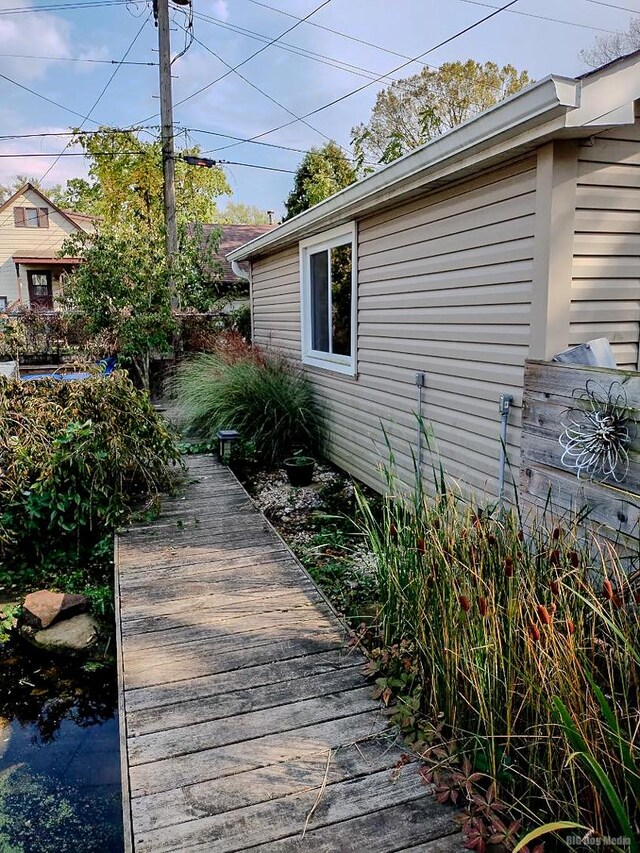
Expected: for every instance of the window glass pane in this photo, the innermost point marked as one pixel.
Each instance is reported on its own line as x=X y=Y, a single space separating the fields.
x=341 y=299
x=319 y=275
x=31 y=215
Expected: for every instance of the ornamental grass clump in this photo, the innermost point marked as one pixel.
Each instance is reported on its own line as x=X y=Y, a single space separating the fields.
x=527 y=654
x=260 y=394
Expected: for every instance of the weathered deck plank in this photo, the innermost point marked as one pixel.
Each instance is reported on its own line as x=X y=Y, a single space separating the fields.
x=245 y=723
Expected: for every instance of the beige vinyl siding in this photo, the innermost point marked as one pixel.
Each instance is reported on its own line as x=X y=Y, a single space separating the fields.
x=605 y=296
x=16 y=241
x=444 y=288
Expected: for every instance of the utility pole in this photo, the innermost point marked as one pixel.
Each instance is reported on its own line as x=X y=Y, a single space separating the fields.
x=161 y=12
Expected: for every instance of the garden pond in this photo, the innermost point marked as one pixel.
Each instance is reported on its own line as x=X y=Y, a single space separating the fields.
x=59 y=755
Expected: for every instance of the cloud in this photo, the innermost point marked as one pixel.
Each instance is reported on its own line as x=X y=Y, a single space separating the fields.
x=217 y=8
x=98 y=51
x=30 y=32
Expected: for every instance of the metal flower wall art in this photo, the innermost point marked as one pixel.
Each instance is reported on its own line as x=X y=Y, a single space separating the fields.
x=597 y=438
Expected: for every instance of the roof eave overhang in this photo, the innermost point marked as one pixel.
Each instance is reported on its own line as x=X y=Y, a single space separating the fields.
x=555 y=107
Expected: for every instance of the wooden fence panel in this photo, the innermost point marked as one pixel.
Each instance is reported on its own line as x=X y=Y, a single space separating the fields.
x=550 y=392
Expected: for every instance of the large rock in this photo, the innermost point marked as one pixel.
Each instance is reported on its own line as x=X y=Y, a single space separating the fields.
x=73 y=635
x=43 y=608
x=5 y=734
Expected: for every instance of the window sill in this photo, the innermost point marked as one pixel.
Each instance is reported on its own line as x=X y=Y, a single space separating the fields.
x=347 y=369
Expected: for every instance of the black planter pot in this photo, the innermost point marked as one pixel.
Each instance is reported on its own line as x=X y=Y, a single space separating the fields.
x=299 y=470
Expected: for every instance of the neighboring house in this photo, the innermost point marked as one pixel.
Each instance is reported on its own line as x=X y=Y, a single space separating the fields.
x=514 y=235
x=231 y=237
x=32 y=231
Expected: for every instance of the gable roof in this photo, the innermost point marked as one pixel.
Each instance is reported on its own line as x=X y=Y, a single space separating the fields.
x=232 y=237
x=553 y=108
x=29 y=187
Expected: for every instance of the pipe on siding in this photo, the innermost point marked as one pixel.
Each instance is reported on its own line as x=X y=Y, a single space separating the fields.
x=505 y=404
x=420 y=382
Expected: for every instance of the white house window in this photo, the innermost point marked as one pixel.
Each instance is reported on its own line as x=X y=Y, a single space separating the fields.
x=328 y=300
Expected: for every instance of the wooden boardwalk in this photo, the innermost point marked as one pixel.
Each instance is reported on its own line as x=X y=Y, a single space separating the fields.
x=245 y=725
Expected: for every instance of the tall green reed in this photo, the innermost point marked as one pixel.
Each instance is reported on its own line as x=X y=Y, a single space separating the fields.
x=510 y=622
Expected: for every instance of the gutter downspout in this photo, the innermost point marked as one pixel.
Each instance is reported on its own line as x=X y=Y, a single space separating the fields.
x=246 y=276
x=505 y=404
x=420 y=382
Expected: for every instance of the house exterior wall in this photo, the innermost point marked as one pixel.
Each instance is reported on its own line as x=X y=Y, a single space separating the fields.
x=605 y=292
x=14 y=241
x=444 y=288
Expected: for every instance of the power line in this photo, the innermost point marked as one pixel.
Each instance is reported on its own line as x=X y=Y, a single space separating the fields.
x=338 y=32
x=140 y=153
x=70 y=154
x=10 y=136
x=248 y=59
x=262 y=91
x=435 y=47
x=42 y=97
x=63 y=7
x=613 y=6
x=72 y=59
x=102 y=92
x=242 y=139
x=296 y=50
x=255 y=166
x=541 y=17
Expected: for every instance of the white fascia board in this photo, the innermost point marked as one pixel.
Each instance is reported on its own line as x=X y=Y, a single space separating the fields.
x=536 y=105
x=607 y=96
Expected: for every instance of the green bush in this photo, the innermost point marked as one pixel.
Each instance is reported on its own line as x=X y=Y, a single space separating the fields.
x=268 y=401
x=75 y=457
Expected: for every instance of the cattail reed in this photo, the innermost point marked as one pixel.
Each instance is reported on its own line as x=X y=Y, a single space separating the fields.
x=543 y=615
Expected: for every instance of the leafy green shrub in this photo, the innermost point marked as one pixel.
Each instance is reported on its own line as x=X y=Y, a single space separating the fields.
x=261 y=395
x=75 y=458
x=517 y=639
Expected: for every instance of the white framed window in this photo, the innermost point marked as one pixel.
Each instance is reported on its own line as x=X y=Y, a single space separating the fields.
x=328 y=276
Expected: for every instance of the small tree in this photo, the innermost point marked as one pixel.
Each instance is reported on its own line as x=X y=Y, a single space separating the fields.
x=323 y=172
x=412 y=111
x=238 y=213
x=123 y=287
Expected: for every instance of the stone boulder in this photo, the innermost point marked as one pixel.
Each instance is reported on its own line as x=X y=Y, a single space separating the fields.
x=44 y=608
x=75 y=635
x=5 y=734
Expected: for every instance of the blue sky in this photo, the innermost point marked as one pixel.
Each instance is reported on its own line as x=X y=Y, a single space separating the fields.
x=232 y=106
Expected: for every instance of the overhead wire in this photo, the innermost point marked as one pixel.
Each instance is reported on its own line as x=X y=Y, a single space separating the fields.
x=613 y=6
x=73 y=59
x=296 y=50
x=156 y=127
x=362 y=88
x=338 y=32
x=138 y=154
x=66 y=7
x=42 y=97
x=540 y=17
x=264 y=93
x=102 y=91
x=245 y=61
x=189 y=34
